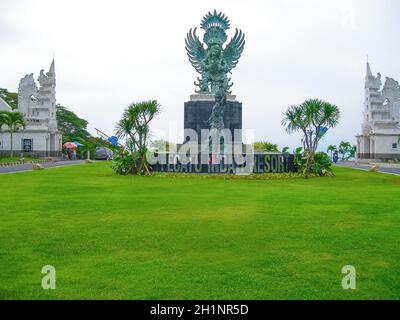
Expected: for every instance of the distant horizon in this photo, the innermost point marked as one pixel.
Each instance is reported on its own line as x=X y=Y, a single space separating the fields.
x=115 y=55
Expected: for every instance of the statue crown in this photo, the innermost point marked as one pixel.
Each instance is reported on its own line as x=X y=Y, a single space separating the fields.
x=216 y=20
x=215 y=25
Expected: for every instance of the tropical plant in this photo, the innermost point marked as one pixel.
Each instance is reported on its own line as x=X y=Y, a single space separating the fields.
x=299 y=159
x=3 y=116
x=322 y=164
x=123 y=164
x=285 y=150
x=265 y=146
x=353 y=151
x=345 y=149
x=10 y=97
x=162 y=145
x=134 y=127
x=313 y=118
x=13 y=120
x=331 y=148
x=71 y=126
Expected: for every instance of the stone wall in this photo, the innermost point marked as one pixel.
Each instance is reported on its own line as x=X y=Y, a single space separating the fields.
x=197 y=115
x=41 y=144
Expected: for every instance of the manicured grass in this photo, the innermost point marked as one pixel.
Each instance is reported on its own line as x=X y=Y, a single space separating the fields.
x=14 y=159
x=163 y=237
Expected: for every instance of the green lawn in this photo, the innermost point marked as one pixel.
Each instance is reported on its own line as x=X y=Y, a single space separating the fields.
x=123 y=237
x=14 y=159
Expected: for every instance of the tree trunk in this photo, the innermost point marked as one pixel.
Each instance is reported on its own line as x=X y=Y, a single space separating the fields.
x=310 y=161
x=11 y=144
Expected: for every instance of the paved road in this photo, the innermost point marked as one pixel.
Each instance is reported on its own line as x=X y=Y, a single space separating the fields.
x=28 y=166
x=368 y=166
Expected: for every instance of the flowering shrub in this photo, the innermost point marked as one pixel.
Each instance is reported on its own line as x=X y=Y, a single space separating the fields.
x=321 y=165
x=123 y=164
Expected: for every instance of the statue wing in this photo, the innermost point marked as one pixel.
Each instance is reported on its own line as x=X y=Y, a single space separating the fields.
x=195 y=50
x=234 y=49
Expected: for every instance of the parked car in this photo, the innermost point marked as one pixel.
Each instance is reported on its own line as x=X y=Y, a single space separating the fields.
x=103 y=153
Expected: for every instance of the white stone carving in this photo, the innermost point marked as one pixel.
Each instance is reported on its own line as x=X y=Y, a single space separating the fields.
x=38 y=105
x=380 y=127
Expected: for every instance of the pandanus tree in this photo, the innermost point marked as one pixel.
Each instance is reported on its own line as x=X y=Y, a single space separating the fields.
x=134 y=128
x=312 y=118
x=13 y=120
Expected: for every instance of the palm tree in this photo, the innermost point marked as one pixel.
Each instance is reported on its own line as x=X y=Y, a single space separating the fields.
x=344 y=148
x=13 y=120
x=313 y=118
x=285 y=150
x=134 y=127
x=2 y=118
x=331 y=148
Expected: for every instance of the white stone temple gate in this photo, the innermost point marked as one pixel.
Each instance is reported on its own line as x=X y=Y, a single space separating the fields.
x=381 y=124
x=38 y=105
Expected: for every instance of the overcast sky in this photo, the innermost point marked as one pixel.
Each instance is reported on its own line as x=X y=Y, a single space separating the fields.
x=111 y=53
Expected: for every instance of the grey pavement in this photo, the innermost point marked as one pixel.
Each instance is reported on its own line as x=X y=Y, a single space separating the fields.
x=367 y=167
x=28 y=166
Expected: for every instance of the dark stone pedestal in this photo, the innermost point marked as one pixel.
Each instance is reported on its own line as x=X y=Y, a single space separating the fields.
x=198 y=112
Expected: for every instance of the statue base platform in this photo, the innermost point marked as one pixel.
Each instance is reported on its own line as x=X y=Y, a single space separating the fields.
x=198 y=111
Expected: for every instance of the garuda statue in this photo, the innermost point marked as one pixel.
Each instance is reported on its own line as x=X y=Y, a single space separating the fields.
x=214 y=62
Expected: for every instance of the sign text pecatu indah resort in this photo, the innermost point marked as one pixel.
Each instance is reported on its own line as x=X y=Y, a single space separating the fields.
x=258 y=163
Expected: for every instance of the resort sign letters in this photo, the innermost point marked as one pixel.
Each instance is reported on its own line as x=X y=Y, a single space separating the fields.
x=257 y=163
